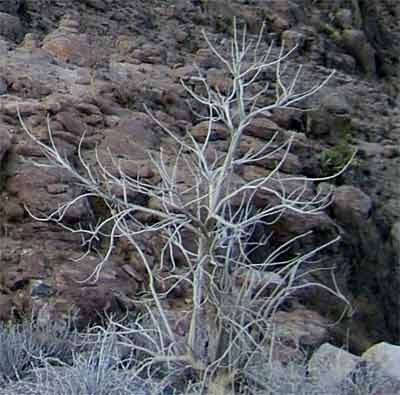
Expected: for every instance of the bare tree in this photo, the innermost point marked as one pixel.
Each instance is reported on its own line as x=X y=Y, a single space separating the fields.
x=215 y=208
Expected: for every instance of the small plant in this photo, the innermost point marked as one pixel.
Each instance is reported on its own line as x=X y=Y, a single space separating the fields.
x=221 y=329
x=335 y=158
x=331 y=31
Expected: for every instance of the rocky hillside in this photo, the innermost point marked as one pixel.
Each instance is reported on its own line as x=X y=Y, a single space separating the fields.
x=91 y=65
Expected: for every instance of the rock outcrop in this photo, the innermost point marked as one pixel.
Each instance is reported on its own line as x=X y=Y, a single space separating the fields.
x=93 y=69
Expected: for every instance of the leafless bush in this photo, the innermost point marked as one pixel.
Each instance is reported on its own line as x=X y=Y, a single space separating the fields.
x=23 y=345
x=93 y=372
x=216 y=208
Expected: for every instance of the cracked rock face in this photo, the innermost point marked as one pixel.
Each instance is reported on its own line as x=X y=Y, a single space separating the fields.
x=92 y=69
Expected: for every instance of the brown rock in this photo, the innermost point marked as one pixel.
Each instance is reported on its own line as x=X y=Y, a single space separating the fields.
x=262 y=128
x=174 y=103
x=205 y=58
x=351 y=206
x=292 y=335
x=88 y=303
x=356 y=43
x=321 y=227
x=201 y=130
x=50 y=284
x=137 y=168
x=71 y=122
x=219 y=80
x=280 y=182
x=88 y=108
x=131 y=139
x=151 y=54
x=91 y=299
x=298 y=330
x=66 y=44
x=332 y=118
x=29 y=150
x=25 y=108
x=272 y=156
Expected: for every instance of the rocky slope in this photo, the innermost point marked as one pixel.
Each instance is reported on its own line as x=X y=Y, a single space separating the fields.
x=92 y=65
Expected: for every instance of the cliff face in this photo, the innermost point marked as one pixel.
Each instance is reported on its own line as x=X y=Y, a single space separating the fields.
x=93 y=64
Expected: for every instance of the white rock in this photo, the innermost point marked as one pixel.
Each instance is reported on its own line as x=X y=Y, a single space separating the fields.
x=387 y=356
x=330 y=364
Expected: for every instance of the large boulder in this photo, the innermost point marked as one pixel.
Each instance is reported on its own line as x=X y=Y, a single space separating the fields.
x=68 y=45
x=131 y=138
x=55 y=288
x=357 y=45
x=387 y=356
x=331 y=365
x=297 y=331
x=331 y=119
x=42 y=190
x=351 y=206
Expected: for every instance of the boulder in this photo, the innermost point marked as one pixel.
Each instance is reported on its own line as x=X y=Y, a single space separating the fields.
x=206 y=59
x=368 y=377
x=285 y=184
x=272 y=156
x=331 y=119
x=263 y=128
x=297 y=331
x=387 y=356
x=330 y=365
x=33 y=187
x=68 y=45
x=215 y=131
x=152 y=54
x=351 y=206
x=71 y=122
x=131 y=139
x=53 y=287
x=357 y=45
